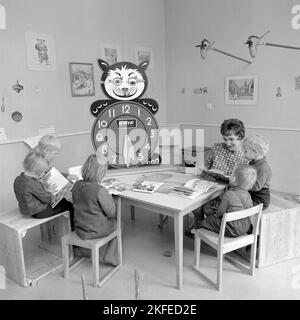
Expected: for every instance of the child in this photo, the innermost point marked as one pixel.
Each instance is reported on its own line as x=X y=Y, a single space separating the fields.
x=34 y=200
x=256 y=147
x=225 y=155
x=236 y=198
x=50 y=147
x=95 y=209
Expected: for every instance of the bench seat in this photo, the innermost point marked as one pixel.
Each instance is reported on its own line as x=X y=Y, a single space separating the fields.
x=27 y=267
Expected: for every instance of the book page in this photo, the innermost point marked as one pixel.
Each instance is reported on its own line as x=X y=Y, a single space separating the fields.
x=147 y=186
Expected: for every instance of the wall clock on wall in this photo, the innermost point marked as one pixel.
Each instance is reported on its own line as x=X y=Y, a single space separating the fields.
x=125 y=130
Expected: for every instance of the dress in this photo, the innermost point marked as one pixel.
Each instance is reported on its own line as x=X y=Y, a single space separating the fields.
x=221 y=158
x=94 y=210
x=260 y=192
x=234 y=199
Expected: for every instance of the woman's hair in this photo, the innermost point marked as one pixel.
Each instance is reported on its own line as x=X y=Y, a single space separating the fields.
x=35 y=162
x=245 y=176
x=48 y=143
x=257 y=144
x=92 y=170
x=233 y=126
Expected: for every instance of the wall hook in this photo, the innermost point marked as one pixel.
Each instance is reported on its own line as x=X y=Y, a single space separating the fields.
x=17 y=87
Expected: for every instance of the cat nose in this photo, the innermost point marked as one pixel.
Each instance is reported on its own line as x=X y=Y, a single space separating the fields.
x=124 y=90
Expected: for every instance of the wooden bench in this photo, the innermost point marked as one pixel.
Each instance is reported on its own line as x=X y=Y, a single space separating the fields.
x=28 y=264
x=279 y=233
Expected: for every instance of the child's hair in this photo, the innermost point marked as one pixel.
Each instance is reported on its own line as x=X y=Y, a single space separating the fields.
x=234 y=126
x=48 y=143
x=258 y=144
x=245 y=176
x=35 y=162
x=92 y=170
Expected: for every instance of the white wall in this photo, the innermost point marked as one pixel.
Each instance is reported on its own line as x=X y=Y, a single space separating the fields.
x=229 y=23
x=79 y=28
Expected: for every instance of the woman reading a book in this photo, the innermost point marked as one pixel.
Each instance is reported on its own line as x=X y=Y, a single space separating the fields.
x=33 y=197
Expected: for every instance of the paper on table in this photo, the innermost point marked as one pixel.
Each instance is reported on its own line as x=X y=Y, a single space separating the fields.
x=32 y=141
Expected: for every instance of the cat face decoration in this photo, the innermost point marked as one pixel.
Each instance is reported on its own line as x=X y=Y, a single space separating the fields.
x=125 y=130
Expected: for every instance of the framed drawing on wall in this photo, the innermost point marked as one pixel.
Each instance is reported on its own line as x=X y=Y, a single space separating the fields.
x=241 y=90
x=82 y=79
x=142 y=54
x=40 y=49
x=110 y=53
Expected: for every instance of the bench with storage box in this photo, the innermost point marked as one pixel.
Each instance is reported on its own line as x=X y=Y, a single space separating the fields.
x=22 y=262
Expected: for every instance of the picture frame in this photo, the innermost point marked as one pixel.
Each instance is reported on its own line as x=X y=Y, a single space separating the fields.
x=82 y=79
x=144 y=53
x=241 y=90
x=110 y=53
x=40 y=49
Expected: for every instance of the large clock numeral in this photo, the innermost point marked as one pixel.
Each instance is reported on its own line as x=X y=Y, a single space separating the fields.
x=104 y=149
x=126 y=108
x=99 y=137
x=102 y=124
x=148 y=119
x=111 y=113
x=140 y=156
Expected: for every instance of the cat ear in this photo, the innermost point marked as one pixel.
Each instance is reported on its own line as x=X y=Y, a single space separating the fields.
x=103 y=65
x=143 y=65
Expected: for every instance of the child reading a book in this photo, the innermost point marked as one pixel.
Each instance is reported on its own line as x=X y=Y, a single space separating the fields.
x=33 y=198
x=256 y=147
x=236 y=198
x=95 y=209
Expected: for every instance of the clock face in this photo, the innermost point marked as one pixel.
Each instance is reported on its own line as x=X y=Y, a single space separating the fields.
x=126 y=133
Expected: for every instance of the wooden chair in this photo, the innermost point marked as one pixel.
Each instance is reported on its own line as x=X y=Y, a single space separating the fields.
x=93 y=244
x=223 y=244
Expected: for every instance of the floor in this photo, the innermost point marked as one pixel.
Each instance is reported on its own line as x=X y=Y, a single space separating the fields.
x=144 y=247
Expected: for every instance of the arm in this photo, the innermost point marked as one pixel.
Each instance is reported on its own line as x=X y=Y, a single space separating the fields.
x=107 y=203
x=38 y=190
x=224 y=205
x=210 y=159
x=262 y=177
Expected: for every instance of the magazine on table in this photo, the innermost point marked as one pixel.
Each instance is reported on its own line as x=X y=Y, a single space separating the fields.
x=115 y=186
x=147 y=186
x=193 y=188
x=62 y=184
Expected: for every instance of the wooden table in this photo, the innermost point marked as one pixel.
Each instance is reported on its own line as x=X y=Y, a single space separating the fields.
x=172 y=205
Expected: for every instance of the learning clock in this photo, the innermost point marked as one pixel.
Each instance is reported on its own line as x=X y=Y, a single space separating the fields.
x=125 y=130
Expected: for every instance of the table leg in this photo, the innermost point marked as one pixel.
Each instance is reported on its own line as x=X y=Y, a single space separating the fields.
x=178 y=234
x=132 y=211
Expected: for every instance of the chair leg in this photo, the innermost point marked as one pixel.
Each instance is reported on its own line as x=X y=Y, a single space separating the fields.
x=95 y=261
x=65 y=253
x=220 y=270
x=253 y=258
x=197 y=248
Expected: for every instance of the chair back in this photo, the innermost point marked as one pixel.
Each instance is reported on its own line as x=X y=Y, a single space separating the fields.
x=232 y=216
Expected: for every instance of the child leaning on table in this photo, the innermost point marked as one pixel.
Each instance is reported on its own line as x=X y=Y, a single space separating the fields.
x=236 y=198
x=256 y=147
x=95 y=209
x=34 y=200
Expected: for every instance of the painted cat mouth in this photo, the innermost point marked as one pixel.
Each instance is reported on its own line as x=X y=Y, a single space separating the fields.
x=125 y=95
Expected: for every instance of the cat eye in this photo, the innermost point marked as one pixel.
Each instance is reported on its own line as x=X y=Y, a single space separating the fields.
x=117 y=81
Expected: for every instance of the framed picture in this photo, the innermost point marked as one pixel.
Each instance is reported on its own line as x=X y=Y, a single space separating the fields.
x=241 y=90
x=82 y=79
x=40 y=49
x=142 y=54
x=110 y=53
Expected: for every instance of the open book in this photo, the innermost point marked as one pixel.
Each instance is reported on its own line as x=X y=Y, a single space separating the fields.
x=115 y=186
x=193 y=188
x=62 y=184
x=147 y=186
x=218 y=174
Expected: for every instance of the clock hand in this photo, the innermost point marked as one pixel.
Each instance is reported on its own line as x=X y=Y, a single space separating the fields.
x=128 y=150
